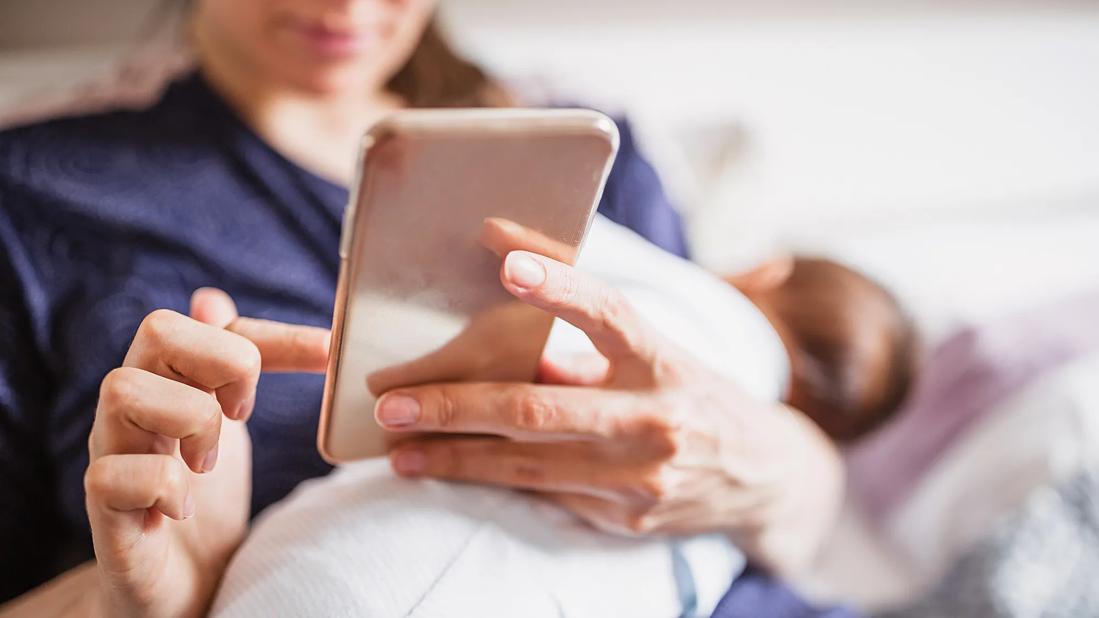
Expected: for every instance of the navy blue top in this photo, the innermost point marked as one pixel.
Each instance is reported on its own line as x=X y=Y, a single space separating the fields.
x=104 y=218
x=754 y=593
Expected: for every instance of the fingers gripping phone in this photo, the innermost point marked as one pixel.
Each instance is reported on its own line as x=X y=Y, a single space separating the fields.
x=439 y=197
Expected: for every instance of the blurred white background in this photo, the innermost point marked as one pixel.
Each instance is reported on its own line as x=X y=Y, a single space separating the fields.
x=952 y=148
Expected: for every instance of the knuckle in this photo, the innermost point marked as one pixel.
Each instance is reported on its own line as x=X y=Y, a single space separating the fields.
x=532 y=411
x=119 y=390
x=640 y=523
x=527 y=470
x=659 y=433
x=247 y=360
x=568 y=288
x=653 y=488
x=446 y=411
x=669 y=368
x=157 y=326
x=210 y=422
x=614 y=308
x=615 y=317
x=97 y=478
x=643 y=492
x=666 y=444
x=172 y=478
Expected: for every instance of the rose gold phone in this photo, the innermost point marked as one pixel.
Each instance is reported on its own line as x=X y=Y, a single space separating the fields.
x=438 y=195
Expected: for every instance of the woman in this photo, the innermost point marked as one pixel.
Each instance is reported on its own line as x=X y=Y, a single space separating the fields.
x=235 y=178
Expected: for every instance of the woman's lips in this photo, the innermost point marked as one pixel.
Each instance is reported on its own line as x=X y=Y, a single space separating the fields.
x=330 y=42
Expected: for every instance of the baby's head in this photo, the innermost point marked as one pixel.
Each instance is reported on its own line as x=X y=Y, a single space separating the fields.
x=851 y=346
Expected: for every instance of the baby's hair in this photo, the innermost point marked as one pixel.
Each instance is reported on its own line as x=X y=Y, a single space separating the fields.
x=826 y=309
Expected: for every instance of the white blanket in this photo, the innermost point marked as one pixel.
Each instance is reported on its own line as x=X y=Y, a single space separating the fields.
x=363 y=542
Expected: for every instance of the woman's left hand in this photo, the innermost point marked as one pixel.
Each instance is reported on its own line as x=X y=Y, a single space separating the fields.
x=646 y=441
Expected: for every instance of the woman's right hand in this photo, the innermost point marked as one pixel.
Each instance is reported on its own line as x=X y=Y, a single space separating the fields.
x=169 y=479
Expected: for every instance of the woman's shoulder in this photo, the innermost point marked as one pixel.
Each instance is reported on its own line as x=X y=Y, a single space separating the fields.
x=635 y=196
x=77 y=149
x=58 y=144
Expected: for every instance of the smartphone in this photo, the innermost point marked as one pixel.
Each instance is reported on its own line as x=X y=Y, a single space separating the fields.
x=439 y=197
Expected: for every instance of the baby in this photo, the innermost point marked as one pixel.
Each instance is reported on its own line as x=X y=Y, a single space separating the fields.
x=363 y=542
x=851 y=347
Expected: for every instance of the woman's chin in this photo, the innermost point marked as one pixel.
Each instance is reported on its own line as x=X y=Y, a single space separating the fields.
x=333 y=82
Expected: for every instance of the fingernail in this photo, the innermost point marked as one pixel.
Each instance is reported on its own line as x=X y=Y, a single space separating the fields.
x=188 y=506
x=409 y=461
x=398 y=411
x=210 y=460
x=525 y=271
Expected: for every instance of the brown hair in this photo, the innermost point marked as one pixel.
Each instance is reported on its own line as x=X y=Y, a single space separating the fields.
x=854 y=347
x=437 y=76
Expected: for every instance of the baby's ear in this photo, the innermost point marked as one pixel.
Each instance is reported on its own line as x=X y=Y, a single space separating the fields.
x=766 y=276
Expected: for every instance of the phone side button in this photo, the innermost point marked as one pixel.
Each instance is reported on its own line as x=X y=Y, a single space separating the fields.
x=345 y=230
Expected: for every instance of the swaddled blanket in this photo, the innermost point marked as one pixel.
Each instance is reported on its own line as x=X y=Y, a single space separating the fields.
x=365 y=543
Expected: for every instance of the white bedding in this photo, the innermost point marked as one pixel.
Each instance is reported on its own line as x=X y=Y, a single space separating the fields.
x=1040 y=436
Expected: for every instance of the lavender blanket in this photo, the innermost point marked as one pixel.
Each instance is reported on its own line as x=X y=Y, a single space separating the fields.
x=963 y=379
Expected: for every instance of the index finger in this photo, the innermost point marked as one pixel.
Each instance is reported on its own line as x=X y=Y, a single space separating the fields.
x=283 y=347
x=519 y=411
x=286 y=348
x=179 y=348
x=587 y=303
